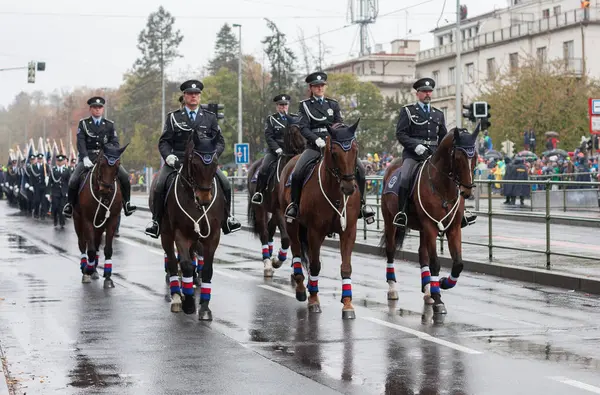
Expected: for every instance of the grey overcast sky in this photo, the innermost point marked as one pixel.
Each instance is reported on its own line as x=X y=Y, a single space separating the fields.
x=93 y=43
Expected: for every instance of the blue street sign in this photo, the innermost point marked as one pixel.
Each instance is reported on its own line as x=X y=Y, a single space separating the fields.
x=242 y=154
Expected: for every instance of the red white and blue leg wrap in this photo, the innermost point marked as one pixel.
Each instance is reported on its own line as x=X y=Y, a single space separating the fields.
x=174 y=285
x=346 y=288
x=282 y=255
x=270 y=244
x=425 y=276
x=265 y=252
x=97 y=260
x=205 y=290
x=297 y=265
x=188 y=285
x=435 y=284
x=449 y=282
x=108 y=267
x=83 y=262
x=199 y=263
x=390 y=272
x=313 y=284
x=166 y=263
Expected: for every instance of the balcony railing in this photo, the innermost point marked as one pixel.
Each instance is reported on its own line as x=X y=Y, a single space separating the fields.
x=387 y=79
x=545 y=25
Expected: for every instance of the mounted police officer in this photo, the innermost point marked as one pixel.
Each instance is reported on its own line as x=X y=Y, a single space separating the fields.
x=178 y=127
x=316 y=113
x=92 y=134
x=421 y=127
x=276 y=125
x=58 y=188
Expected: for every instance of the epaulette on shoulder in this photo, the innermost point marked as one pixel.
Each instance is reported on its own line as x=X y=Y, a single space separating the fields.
x=109 y=120
x=330 y=99
x=83 y=119
x=209 y=112
x=291 y=114
x=307 y=99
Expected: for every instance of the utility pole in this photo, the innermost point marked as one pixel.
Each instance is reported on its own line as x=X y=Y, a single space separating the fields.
x=458 y=69
x=239 y=168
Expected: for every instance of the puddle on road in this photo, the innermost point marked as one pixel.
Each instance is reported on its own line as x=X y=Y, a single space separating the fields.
x=14 y=246
x=86 y=374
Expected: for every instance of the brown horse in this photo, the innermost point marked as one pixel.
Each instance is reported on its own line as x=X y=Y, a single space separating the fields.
x=329 y=203
x=97 y=211
x=258 y=215
x=436 y=205
x=195 y=206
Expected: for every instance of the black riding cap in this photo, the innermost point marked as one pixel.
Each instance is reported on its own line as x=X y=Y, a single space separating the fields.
x=60 y=157
x=282 y=99
x=317 y=78
x=96 y=101
x=424 y=85
x=192 y=86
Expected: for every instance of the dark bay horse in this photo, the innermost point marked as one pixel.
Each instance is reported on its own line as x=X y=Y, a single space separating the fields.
x=258 y=214
x=436 y=205
x=329 y=203
x=194 y=210
x=97 y=212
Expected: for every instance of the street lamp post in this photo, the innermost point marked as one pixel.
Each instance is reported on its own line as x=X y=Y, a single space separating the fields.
x=458 y=69
x=239 y=167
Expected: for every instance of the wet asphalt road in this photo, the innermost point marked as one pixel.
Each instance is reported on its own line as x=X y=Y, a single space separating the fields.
x=59 y=336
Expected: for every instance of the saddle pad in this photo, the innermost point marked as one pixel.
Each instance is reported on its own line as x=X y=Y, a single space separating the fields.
x=311 y=169
x=393 y=185
x=254 y=178
x=86 y=173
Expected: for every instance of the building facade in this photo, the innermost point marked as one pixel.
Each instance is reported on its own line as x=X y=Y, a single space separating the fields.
x=498 y=41
x=393 y=72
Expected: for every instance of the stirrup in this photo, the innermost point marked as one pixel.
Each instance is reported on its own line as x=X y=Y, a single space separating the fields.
x=257 y=198
x=400 y=219
x=289 y=218
x=149 y=232
x=129 y=209
x=232 y=225
x=368 y=217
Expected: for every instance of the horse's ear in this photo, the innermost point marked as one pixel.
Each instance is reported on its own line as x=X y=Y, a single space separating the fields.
x=122 y=149
x=354 y=127
x=476 y=132
x=190 y=143
x=456 y=134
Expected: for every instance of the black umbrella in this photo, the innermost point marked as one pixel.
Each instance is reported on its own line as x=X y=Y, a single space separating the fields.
x=557 y=151
x=493 y=155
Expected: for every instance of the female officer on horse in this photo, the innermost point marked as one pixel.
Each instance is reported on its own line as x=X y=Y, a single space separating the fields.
x=275 y=127
x=316 y=113
x=93 y=133
x=178 y=127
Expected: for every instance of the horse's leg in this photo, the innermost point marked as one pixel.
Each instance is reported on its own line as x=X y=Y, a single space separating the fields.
x=194 y=256
x=285 y=241
x=347 y=239
x=315 y=240
x=187 y=272
x=97 y=240
x=390 y=245
x=425 y=269
x=271 y=228
x=454 y=236
x=81 y=243
x=297 y=276
x=90 y=267
x=207 y=272
x=431 y=233
x=262 y=224
x=108 y=251
x=172 y=266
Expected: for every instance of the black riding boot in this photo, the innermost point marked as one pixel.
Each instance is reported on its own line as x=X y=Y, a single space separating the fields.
x=258 y=196
x=158 y=204
x=128 y=208
x=400 y=220
x=365 y=211
x=292 y=210
x=71 y=198
x=230 y=224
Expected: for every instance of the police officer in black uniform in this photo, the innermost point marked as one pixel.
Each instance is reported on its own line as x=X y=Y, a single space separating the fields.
x=178 y=127
x=58 y=188
x=92 y=134
x=276 y=125
x=38 y=182
x=316 y=113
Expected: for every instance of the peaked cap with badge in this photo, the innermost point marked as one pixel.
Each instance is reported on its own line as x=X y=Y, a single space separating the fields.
x=424 y=85
x=96 y=101
x=282 y=99
x=316 y=78
x=192 y=86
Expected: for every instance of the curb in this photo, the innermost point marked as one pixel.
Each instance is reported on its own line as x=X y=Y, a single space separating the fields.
x=3 y=379
x=529 y=275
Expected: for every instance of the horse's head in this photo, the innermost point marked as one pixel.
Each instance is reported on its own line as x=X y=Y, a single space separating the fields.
x=293 y=141
x=107 y=165
x=341 y=151
x=463 y=158
x=200 y=166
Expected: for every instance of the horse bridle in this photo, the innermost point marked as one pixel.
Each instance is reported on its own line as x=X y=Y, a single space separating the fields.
x=336 y=172
x=111 y=162
x=452 y=174
x=207 y=159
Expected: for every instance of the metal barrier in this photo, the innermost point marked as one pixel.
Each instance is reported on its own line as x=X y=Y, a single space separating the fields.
x=546 y=215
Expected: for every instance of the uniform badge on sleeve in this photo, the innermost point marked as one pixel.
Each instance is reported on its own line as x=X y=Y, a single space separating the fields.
x=330 y=111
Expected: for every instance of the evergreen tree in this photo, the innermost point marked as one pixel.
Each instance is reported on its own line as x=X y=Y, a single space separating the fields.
x=281 y=58
x=226 y=51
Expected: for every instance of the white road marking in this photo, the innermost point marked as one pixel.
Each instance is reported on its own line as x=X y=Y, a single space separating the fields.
x=279 y=291
x=576 y=384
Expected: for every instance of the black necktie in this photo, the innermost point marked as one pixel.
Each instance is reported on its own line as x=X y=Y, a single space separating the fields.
x=192 y=115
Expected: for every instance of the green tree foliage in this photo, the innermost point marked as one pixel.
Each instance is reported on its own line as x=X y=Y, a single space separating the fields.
x=226 y=51
x=546 y=98
x=281 y=58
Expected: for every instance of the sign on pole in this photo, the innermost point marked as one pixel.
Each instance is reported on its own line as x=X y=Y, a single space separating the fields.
x=242 y=154
x=594 y=114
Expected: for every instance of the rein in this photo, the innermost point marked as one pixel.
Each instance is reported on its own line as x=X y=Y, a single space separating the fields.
x=100 y=204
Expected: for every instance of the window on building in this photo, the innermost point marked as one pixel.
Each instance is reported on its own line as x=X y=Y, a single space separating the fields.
x=470 y=71
x=445 y=112
x=491 y=68
x=451 y=37
x=568 y=50
x=371 y=64
x=436 y=76
x=440 y=41
x=514 y=61
x=546 y=13
x=557 y=10
x=542 y=55
x=451 y=76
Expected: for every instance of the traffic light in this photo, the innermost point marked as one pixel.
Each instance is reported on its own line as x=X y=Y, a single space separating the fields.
x=214 y=108
x=468 y=112
x=585 y=4
x=480 y=109
x=31 y=73
x=41 y=66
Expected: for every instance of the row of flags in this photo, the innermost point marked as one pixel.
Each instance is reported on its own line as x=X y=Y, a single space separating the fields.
x=51 y=150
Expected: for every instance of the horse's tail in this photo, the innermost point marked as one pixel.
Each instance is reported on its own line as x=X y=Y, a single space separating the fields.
x=399 y=234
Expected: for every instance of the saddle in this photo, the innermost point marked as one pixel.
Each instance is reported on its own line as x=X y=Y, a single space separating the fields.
x=84 y=178
x=270 y=172
x=393 y=185
x=310 y=168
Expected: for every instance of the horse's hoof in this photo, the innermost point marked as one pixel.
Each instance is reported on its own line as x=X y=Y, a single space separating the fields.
x=175 y=303
x=268 y=268
x=443 y=283
x=439 y=308
x=268 y=272
x=189 y=304
x=86 y=279
x=95 y=275
x=301 y=296
x=108 y=283
x=314 y=308
x=205 y=314
x=348 y=315
x=393 y=295
x=276 y=262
